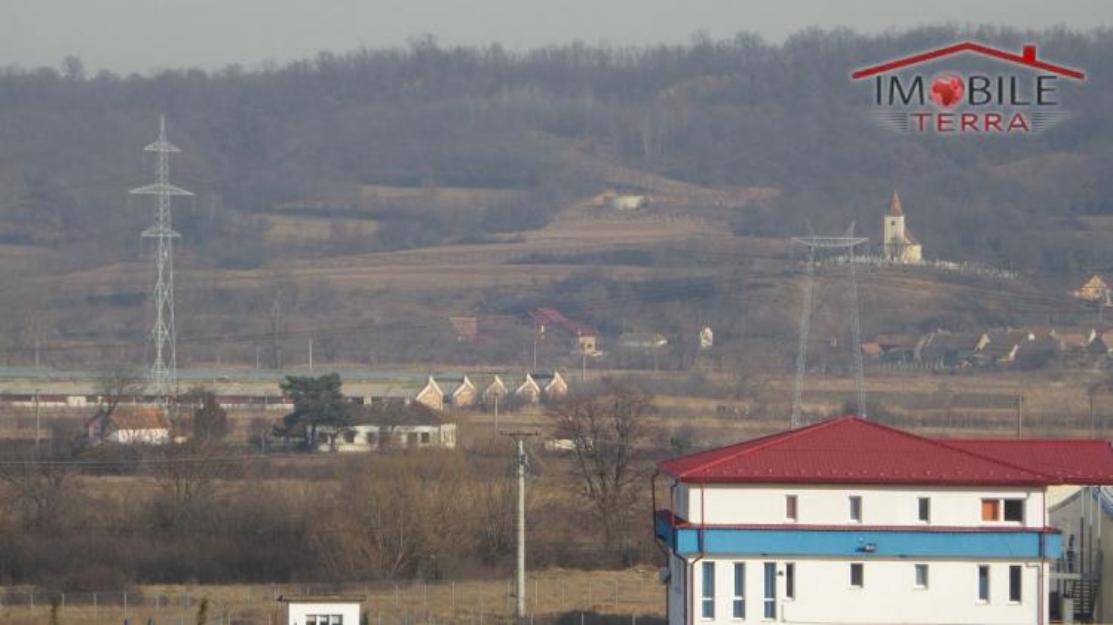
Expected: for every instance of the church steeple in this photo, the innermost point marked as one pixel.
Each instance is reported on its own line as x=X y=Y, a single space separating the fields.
x=895 y=209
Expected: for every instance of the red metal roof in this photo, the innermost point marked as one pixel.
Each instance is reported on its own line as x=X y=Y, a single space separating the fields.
x=849 y=450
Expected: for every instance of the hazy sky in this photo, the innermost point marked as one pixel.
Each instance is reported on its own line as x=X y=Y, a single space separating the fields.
x=143 y=35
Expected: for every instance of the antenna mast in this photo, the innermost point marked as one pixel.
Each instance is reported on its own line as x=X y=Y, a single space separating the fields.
x=163 y=373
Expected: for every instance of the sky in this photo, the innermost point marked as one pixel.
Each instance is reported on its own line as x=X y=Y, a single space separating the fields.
x=148 y=35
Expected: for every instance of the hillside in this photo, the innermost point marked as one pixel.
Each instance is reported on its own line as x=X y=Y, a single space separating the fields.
x=360 y=199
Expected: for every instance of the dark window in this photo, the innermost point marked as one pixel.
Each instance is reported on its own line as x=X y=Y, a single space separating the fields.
x=1015 y=579
x=739 y=610
x=857 y=575
x=770 y=599
x=983 y=583
x=790 y=507
x=1014 y=510
x=921 y=576
x=790 y=580
x=708 y=590
x=424 y=438
x=855 y=508
x=925 y=509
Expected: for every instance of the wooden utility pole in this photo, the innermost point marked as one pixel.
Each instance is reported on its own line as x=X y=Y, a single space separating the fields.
x=1019 y=416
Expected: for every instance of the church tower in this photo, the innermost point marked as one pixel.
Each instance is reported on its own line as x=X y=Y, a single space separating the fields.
x=899 y=245
x=893 y=231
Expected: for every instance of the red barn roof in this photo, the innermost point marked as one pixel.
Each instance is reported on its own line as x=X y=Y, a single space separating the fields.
x=849 y=450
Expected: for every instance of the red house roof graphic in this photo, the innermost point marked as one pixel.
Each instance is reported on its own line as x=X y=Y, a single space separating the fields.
x=1027 y=58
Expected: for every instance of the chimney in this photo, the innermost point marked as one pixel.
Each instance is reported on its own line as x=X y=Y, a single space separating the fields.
x=1030 y=53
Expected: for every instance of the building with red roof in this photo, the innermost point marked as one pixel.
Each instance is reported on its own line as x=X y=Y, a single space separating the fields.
x=852 y=521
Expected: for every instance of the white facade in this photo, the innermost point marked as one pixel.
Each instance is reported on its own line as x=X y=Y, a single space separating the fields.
x=889 y=593
x=726 y=504
x=367 y=437
x=322 y=612
x=147 y=436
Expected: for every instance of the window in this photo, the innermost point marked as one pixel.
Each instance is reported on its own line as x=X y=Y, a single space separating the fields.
x=790 y=580
x=991 y=509
x=856 y=508
x=739 y=606
x=424 y=438
x=349 y=436
x=921 y=576
x=324 y=619
x=983 y=583
x=1014 y=510
x=770 y=598
x=708 y=610
x=925 y=509
x=857 y=575
x=790 y=507
x=1015 y=578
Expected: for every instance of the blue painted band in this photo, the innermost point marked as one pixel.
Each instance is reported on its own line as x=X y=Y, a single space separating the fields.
x=1019 y=545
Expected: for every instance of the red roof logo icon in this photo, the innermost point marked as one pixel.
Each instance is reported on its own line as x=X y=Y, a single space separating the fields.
x=1027 y=58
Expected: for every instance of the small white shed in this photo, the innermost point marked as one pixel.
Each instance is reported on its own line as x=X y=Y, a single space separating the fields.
x=321 y=610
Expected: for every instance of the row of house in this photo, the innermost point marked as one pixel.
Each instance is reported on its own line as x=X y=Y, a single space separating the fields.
x=1030 y=348
x=442 y=392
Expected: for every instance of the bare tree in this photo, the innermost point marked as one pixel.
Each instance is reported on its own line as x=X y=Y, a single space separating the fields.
x=605 y=429
x=117 y=384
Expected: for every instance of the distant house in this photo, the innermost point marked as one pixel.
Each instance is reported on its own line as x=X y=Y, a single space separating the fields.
x=460 y=392
x=898 y=348
x=399 y=426
x=495 y=388
x=584 y=338
x=431 y=395
x=529 y=390
x=627 y=201
x=129 y=425
x=552 y=384
x=1094 y=289
x=950 y=349
x=321 y=610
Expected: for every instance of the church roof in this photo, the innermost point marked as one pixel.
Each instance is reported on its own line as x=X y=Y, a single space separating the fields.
x=895 y=209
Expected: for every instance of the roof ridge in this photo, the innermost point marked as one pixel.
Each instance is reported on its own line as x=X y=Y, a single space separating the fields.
x=763 y=442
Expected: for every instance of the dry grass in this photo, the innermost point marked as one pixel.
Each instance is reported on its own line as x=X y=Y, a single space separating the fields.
x=549 y=592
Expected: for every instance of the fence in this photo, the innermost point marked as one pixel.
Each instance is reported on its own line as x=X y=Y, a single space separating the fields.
x=568 y=597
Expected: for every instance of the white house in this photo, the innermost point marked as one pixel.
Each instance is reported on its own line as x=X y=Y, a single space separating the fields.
x=394 y=425
x=324 y=610
x=850 y=521
x=129 y=424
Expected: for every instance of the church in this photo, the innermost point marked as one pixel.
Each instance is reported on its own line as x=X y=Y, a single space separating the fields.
x=899 y=245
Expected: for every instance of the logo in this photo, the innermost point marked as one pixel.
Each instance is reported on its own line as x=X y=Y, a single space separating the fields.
x=1021 y=97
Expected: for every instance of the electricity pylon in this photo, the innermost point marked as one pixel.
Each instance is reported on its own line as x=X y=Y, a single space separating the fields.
x=848 y=243
x=162 y=376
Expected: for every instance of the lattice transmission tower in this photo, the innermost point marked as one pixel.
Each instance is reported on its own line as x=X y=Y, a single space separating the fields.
x=847 y=245
x=162 y=375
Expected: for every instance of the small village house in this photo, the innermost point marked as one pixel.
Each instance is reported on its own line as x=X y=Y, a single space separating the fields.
x=129 y=424
x=431 y=395
x=1094 y=289
x=386 y=426
x=320 y=610
x=850 y=521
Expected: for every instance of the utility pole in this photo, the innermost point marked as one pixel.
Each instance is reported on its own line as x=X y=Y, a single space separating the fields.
x=497 y=411
x=164 y=370
x=1019 y=416
x=534 y=347
x=310 y=353
x=37 y=424
x=1093 y=430
x=583 y=366
x=520 y=463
